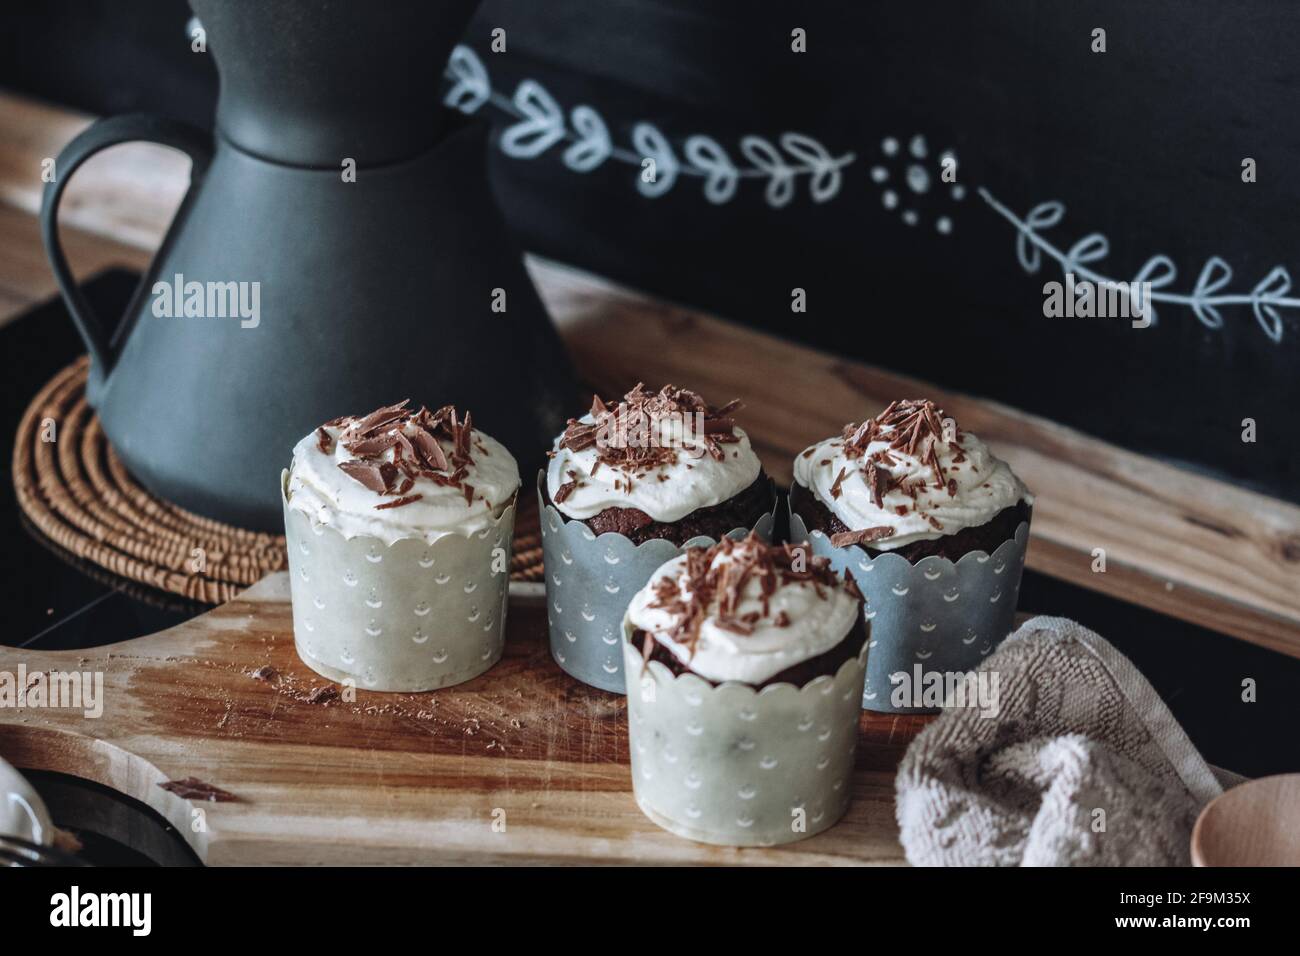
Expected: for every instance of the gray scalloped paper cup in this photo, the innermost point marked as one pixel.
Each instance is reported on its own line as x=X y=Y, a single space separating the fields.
x=589 y=581
x=737 y=766
x=410 y=616
x=930 y=617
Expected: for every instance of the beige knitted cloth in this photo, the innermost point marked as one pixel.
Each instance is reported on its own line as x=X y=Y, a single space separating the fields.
x=1081 y=765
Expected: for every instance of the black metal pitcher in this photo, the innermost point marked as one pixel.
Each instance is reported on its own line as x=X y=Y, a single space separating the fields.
x=339 y=249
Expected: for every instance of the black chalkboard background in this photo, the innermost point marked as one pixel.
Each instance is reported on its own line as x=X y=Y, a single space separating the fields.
x=1142 y=144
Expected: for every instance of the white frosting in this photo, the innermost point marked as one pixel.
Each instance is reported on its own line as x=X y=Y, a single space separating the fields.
x=816 y=624
x=984 y=486
x=326 y=494
x=667 y=492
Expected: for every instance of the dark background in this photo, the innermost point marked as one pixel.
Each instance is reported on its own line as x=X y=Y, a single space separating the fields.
x=1143 y=144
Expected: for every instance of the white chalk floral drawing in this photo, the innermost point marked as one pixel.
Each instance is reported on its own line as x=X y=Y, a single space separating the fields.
x=1265 y=299
x=540 y=123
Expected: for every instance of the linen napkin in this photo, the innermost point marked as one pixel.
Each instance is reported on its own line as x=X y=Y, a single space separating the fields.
x=1082 y=764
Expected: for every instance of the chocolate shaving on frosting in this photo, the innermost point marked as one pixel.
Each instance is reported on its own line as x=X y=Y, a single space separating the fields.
x=716 y=591
x=399 y=502
x=846 y=538
x=394 y=445
x=619 y=431
x=566 y=489
x=375 y=475
x=912 y=426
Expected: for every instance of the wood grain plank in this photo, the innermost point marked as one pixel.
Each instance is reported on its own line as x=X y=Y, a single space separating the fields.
x=25 y=276
x=128 y=192
x=390 y=778
x=1176 y=542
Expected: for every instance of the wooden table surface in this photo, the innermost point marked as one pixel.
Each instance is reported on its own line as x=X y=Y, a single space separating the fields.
x=1155 y=522
x=391 y=778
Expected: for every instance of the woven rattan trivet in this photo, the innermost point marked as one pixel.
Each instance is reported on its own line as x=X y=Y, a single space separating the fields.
x=77 y=493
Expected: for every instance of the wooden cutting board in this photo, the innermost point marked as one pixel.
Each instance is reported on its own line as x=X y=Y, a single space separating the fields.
x=521 y=765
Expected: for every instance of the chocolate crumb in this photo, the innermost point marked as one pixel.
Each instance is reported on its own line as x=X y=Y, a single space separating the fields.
x=192 y=788
x=323 y=694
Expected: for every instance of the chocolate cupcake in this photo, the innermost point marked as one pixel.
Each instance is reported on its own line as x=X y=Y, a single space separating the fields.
x=399 y=526
x=658 y=465
x=745 y=664
x=628 y=486
x=933 y=527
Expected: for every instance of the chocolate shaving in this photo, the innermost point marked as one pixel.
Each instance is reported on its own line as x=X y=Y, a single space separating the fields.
x=904 y=424
x=912 y=426
x=398 y=503
x=323 y=694
x=371 y=447
x=192 y=788
x=324 y=441
x=839 y=480
x=846 y=538
x=265 y=672
x=715 y=591
x=428 y=453
x=369 y=473
x=380 y=417
x=394 y=446
x=879 y=480
x=627 y=434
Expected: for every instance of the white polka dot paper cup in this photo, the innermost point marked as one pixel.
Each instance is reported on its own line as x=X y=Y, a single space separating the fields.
x=736 y=766
x=410 y=616
x=589 y=581
x=935 y=617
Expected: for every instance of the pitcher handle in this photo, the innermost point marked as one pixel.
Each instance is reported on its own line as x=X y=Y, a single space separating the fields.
x=101 y=135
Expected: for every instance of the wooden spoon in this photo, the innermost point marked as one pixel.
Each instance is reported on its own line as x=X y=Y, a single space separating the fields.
x=1255 y=824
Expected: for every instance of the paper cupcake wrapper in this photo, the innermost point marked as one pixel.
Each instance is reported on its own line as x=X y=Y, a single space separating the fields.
x=410 y=616
x=737 y=766
x=928 y=617
x=589 y=582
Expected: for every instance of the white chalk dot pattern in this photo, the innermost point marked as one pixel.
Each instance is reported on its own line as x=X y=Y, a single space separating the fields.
x=909 y=180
